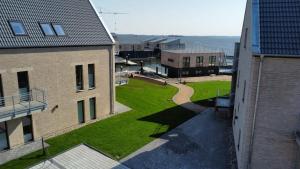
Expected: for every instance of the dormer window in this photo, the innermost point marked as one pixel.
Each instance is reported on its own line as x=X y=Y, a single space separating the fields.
x=18 y=28
x=59 y=30
x=47 y=29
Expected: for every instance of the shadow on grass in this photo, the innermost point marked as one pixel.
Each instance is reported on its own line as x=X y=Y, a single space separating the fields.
x=210 y=102
x=207 y=102
x=170 y=118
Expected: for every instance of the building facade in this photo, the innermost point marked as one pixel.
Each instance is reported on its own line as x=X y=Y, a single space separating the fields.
x=182 y=63
x=56 y=69
x=266 y=113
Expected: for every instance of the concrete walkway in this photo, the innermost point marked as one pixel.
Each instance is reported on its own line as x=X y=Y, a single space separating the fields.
x=21 y=151
x=121 y=108
x=183 y=98
x=80 y=157
x=200 y=143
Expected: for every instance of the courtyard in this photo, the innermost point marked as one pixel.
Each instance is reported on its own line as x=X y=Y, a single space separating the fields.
x=153 y=115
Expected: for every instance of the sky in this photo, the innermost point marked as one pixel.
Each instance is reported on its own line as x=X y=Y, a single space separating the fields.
x=174 y=17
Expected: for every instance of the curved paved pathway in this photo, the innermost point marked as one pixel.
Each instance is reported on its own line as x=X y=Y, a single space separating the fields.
x=183 y=98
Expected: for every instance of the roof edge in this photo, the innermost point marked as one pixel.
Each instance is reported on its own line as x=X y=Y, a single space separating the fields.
x=102 y=22
x=275 y=55
x=256 y=26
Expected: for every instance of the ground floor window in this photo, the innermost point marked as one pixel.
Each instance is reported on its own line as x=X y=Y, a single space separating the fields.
x=185 y=73
x=27 y=129
x=3 y=137
x=93 y=108
x=198 y=72
x=80 y=111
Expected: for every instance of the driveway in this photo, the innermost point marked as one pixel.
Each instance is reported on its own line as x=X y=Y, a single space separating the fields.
x=200 y=143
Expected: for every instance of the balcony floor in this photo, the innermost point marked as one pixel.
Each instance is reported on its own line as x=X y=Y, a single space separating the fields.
x=22 y=109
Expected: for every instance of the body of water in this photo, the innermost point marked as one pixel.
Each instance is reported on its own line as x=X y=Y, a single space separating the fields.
x=193 y=43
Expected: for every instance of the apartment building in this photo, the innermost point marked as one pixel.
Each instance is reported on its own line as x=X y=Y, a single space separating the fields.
x=184 y=63
x=56 y=69
x=266 y=111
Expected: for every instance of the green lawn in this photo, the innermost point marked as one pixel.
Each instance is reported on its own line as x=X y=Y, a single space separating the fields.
x=153 y=114
x=207 y=91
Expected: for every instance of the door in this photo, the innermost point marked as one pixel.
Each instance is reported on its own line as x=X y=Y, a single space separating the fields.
x=3 y=136
x=27 y=129
x=80 y=109
x=2 y=101
x=23 y=83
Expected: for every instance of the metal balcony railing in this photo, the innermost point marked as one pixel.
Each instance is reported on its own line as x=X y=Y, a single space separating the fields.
x=22 y=105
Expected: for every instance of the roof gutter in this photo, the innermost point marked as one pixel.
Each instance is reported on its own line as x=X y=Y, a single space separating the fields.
x=255 y=112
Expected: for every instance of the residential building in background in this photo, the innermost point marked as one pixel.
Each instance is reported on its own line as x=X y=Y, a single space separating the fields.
x=56 y=69
x=137 y=48
x=184 y=63
x=266 y=112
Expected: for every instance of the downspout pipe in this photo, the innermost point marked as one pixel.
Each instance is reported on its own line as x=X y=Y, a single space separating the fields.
x=255 y=112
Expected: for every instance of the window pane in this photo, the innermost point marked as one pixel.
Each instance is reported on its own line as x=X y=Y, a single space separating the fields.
x=80 y=109
x=79 y=77
x=27 y=129
x=18 y=28
x=91 y=68
x=93 y=108
x=3 y=137
x=186 y=62
x=48 y=31
x=59 y=30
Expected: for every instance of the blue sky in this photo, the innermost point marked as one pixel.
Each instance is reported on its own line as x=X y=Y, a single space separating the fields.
x=178 y=17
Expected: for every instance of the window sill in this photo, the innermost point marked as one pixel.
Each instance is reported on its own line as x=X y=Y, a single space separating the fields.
x=79 y=91
x=92 y=88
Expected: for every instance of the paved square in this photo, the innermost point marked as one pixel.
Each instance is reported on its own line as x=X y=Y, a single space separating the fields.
x=200 y=143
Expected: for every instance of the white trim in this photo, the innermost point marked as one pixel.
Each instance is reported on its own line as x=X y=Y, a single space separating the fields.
x=100 y=18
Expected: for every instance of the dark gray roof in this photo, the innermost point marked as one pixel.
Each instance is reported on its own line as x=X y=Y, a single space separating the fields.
x=158 y=40
x=78 y=18
x=169 y=41
x=277 y=27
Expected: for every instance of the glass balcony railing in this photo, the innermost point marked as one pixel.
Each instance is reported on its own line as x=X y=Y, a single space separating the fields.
x=12 y=107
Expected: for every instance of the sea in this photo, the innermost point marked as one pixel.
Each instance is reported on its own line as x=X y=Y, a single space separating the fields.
x=213 y=43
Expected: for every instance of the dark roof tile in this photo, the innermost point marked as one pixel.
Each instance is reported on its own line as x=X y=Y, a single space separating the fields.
x=78 y=18
x=279 y=27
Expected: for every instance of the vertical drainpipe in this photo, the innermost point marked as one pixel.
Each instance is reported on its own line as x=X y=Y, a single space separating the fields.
x=112 y=79
x=255 y=112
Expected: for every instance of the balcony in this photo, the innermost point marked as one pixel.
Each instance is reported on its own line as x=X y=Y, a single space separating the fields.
x=22 y=105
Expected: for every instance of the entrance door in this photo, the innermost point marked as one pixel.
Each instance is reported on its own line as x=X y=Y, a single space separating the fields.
x=2 y=101
x=23 y=83
x=80 y=109
x=3 y=136
x=27 y=129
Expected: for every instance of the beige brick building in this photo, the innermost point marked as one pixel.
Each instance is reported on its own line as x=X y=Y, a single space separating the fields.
x=266 y=113
x=56 y=69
